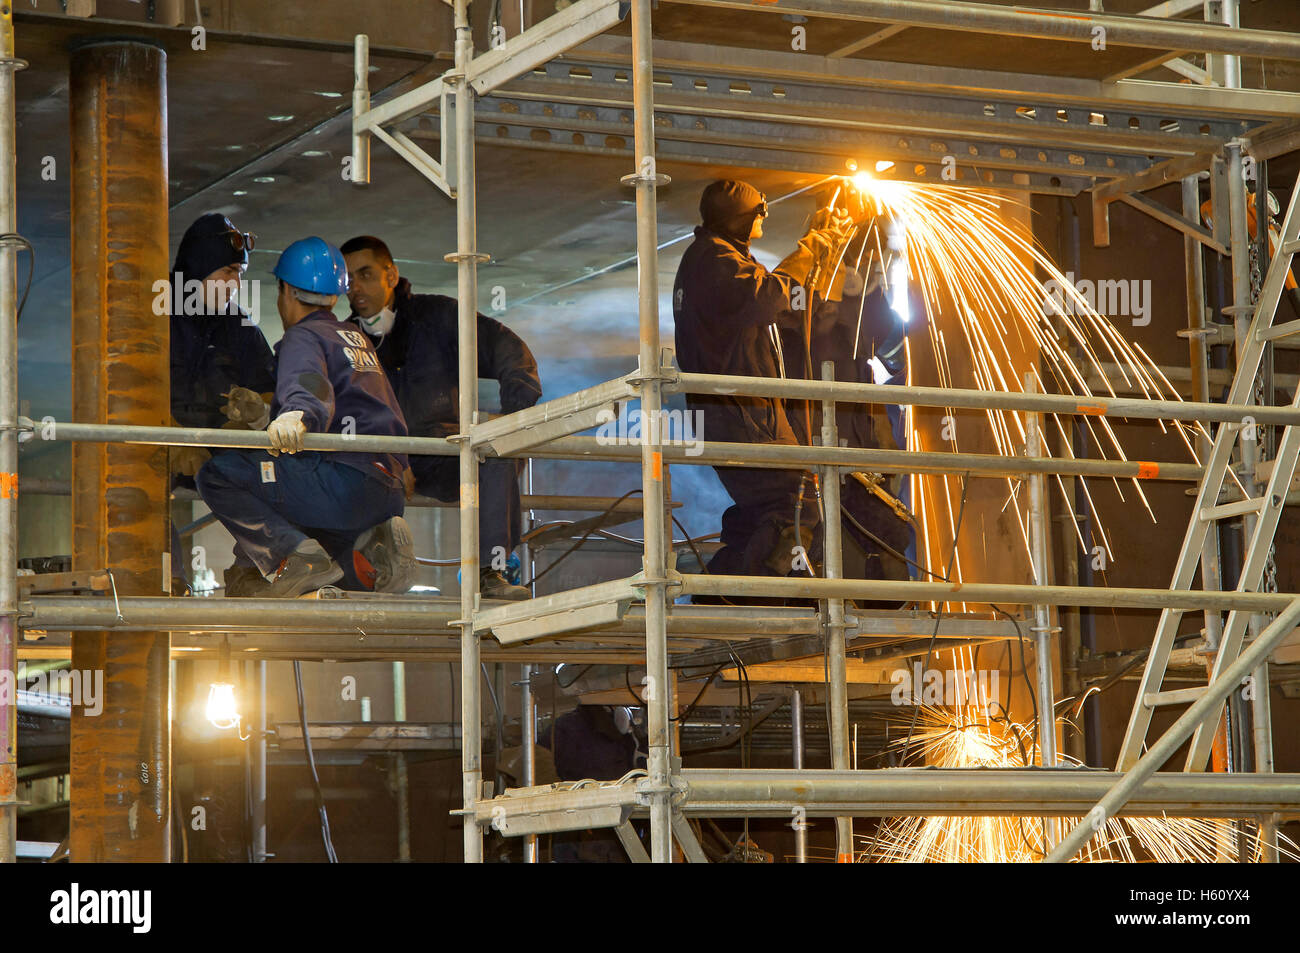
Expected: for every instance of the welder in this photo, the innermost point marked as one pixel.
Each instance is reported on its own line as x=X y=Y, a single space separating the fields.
x=222 y=367
x=311 y=519
x=415 y=336
x=728 y=310
x=861 y=328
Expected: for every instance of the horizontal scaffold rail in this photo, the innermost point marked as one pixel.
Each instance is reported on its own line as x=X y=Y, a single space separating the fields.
x=1056 y=792
x=698 y=453
x=968 y=398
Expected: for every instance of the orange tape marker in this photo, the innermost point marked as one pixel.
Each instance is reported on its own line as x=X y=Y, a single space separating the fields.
x=8 y=486
x=1148 y=471
x=1093 y=410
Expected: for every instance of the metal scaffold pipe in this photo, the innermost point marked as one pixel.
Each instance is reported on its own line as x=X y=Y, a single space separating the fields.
x=977 y=593
x=1041 y=566
x=833 y=544
x=466 y=258
x=1171 y=740
x=700 y=453
x=8 y=448
x=646 y=180
x=970 y=398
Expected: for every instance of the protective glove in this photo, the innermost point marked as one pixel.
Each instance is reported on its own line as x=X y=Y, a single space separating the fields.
x=833 y=220
x=826 y=233
x=187 y=460
x=286 y=432
x=247 y=408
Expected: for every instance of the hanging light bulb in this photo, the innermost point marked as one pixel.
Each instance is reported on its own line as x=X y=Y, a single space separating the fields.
x=222 y=710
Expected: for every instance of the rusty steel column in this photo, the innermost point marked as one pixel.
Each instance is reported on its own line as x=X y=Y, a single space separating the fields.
x=121 y=758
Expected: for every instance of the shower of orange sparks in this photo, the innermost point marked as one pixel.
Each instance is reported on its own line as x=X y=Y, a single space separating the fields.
x=964 y=736
x=978 y=270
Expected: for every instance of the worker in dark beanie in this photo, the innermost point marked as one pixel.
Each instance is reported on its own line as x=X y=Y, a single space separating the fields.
x=728 y=310
x=222 y=367
x=215 y=344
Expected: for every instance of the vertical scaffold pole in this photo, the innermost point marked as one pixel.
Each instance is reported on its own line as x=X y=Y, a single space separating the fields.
x=467 y=258
x=836 y=662
x=8 y=451
x=646 y=179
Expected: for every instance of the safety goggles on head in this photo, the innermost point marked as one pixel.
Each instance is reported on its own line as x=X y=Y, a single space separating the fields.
x=762 y=207
x=242 y=241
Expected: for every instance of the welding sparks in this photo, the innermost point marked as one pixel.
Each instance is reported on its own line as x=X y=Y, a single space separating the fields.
x=977 y=270
x=964 y=737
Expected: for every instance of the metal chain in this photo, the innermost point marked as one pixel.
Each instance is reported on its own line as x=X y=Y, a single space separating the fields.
x=1266 y=436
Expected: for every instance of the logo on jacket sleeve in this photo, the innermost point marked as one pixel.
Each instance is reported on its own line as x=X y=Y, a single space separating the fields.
x=358 y=351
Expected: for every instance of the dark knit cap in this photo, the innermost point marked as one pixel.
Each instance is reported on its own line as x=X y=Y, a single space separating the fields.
x=206 y=246
x=728 y=208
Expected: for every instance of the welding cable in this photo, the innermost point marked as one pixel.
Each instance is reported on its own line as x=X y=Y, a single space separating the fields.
x=13 y=238
x=487 y=681
x=692 y=706
x=311 y=765
x=690 y=541
x=890 y=550
x=798 y=526
x=1024 y=667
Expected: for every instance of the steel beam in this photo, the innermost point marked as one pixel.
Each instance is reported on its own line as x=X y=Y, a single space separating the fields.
x=1020 y=121
x=1061 y=91
x=688 y=133
x=1044 y=24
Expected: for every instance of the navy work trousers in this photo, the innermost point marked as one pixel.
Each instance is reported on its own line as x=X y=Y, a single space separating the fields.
x=270 y=511
x=499 y=518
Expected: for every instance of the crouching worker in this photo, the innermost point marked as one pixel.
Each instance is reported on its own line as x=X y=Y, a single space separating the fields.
x=305 y=519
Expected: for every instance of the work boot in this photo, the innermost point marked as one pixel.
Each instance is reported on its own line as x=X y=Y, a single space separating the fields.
x=308 y=568
x=384 y=556
x=244 y=582
x=494 y=585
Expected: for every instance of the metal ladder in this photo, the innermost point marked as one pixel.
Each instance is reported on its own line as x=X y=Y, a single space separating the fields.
x=1207 y=510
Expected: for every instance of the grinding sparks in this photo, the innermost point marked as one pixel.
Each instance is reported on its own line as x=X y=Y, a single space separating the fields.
x=977 y=271
x=964 y=737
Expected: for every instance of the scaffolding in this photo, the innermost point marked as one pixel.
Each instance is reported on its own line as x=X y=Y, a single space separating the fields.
x=1135 y=135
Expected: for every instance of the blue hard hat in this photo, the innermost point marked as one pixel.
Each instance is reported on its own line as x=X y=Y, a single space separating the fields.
x=313 y=264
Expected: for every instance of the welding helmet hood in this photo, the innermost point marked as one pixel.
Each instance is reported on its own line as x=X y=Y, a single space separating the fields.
x=728 y=208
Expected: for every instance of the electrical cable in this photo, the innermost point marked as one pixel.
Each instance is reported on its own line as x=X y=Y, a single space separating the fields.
x=311 y=765
x=691 y=707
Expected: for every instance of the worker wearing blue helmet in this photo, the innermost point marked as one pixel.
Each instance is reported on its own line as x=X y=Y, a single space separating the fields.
x=310 y=519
